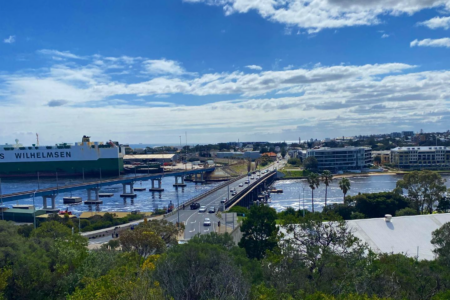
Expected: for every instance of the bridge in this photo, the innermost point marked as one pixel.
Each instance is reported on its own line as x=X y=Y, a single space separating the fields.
x=51 y=193
x=246 y=195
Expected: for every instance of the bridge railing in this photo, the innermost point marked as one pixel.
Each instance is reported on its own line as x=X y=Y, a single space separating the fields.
x=204 y=194
x=239 y=195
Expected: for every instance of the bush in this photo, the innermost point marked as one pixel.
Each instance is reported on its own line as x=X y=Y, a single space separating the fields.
x=357 y=215
x=343 y=210
x=239 y=210
x=295 y=162
x=406 y=212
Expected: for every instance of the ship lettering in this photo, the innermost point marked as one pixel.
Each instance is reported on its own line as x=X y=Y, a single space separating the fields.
x=27 y=155
x=2 y=156
x=50 y=154
x=33 y=155
x=38 y=155
x=68 y=154
x=56 y=154
x=18 y=155
x=60 y=154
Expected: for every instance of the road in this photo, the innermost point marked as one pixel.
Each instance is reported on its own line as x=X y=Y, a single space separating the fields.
x=193 y=219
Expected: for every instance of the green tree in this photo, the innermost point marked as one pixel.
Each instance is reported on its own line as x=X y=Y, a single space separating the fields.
x=344 y=185
x=424 y=189
x=313 y=182
x=259 y=231
x=311 y=163
x=201 y=271
x=441 y=241
x=327 y=178
x=377 y=160
x=376 y=205
x=408 y=211
x=283 y=152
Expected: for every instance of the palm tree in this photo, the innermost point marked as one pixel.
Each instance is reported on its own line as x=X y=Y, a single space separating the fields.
x=344 y=184
x=313 y=181
x=327 y=178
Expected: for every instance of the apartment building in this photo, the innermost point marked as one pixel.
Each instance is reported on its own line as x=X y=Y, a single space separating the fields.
x=342 y=159
x=417 y=158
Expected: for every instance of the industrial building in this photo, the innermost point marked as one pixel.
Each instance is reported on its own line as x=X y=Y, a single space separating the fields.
x=160 y=158
x=418 y=158
x=342 y=159
x=239 y=155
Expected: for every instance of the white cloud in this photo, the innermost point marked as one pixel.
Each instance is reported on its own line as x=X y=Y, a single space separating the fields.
x=289 y=67
x=384 y=36
x=10 y=40
x=321 y=100
x=316 y=15
x=59 y=54
x=444 y=42
x=163 y=66
x=254 y=67
x=437 y=22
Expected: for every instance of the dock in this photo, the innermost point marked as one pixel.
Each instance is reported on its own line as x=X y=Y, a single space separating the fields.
x=105 y=195
x=72 y=200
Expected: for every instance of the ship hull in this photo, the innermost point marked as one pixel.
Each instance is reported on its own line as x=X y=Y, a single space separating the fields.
x=105 y=166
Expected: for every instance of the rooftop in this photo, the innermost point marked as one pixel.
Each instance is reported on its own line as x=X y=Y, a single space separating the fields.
x=149 y=156
x=407 y=235
x=423 y=148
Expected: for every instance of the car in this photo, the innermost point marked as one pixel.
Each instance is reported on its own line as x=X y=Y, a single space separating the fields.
x=207 y=222
x=233 y=193
x=202 y=209
x=247 y=182
x=224 y=199
x=241 y=184
x=195 y=205
x=212 y=210
x=252 y=178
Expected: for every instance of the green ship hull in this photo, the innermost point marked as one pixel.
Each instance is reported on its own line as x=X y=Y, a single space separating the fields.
x=107 y=167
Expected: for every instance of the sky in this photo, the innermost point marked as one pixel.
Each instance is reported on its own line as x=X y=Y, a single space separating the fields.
x=148 y=71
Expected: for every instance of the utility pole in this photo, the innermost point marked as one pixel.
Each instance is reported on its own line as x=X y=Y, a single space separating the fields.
x=185 y=165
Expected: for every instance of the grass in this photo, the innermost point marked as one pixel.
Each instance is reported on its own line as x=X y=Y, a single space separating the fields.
x=294 y=174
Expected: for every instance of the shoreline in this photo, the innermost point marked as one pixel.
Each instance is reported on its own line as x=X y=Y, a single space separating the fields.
x=350 y=175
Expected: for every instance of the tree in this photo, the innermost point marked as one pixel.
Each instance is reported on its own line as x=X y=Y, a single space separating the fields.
x=319 y=245
x=313 y=182
x=441 y=241
x=376 y=205
x=283 y=152
x=344 y=185
x=377 y=160
x=310 y=163
x=443 y=205
x=408 y=211
x=259 y=231
x=327 y=178
x=200 y=271
x=424 y=189
x=149 y=238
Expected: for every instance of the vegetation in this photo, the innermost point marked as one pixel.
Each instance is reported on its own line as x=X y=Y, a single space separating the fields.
x=310 y=163
x=313 y=182
x=327 y=178
x=296 y=162
x=344 y=185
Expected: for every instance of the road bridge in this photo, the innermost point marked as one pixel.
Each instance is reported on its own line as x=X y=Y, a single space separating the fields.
x=193 y=219
x=51 y=193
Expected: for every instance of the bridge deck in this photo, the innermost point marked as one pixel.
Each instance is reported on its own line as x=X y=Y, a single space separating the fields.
x=96 y=184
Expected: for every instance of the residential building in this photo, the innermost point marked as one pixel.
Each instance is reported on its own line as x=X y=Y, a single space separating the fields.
x=271 y=155
x=417 y=158
x=385 y=156
x=407 y=134
x=342 y=159
x=396 y=135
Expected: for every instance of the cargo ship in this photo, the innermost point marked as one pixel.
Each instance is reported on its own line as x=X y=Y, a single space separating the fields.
x=85 y=158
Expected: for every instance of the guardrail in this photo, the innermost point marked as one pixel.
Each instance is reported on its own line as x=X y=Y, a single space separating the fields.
x=238 y=196
x=204 y=194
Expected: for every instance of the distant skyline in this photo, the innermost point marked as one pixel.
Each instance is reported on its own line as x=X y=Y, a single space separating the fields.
x=222 y=70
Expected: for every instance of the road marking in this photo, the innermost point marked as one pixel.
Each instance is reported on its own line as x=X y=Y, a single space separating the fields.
x=206 y=230
x=194 y=222
x=192 y=230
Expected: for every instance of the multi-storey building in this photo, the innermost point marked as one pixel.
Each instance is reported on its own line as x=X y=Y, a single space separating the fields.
x=416 y=158
x=342 y=159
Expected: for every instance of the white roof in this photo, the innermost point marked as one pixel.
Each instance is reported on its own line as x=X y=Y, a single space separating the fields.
x=149 y=156
x=401 y=235
x=423 y=148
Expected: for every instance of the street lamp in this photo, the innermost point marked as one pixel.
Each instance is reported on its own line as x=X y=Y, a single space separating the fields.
x=34 y=210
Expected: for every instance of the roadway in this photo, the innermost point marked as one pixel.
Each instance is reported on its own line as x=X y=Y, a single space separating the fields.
x=193 y=219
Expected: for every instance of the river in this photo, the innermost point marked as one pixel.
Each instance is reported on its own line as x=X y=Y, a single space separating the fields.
x=145 y=201
x=292 y=191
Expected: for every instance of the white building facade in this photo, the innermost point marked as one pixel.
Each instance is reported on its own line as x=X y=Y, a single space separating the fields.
x=342 y=159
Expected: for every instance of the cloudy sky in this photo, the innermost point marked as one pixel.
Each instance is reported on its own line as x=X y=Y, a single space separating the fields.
x=222 y=70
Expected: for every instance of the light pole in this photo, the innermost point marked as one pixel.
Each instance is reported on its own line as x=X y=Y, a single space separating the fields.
x=1 y=197
x=34 y=210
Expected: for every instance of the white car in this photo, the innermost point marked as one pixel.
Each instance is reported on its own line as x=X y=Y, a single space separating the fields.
x=241 y=184
x=202 y=209
x=207 y=222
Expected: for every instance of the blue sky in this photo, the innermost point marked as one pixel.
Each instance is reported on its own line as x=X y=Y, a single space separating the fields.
x=222 y=70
